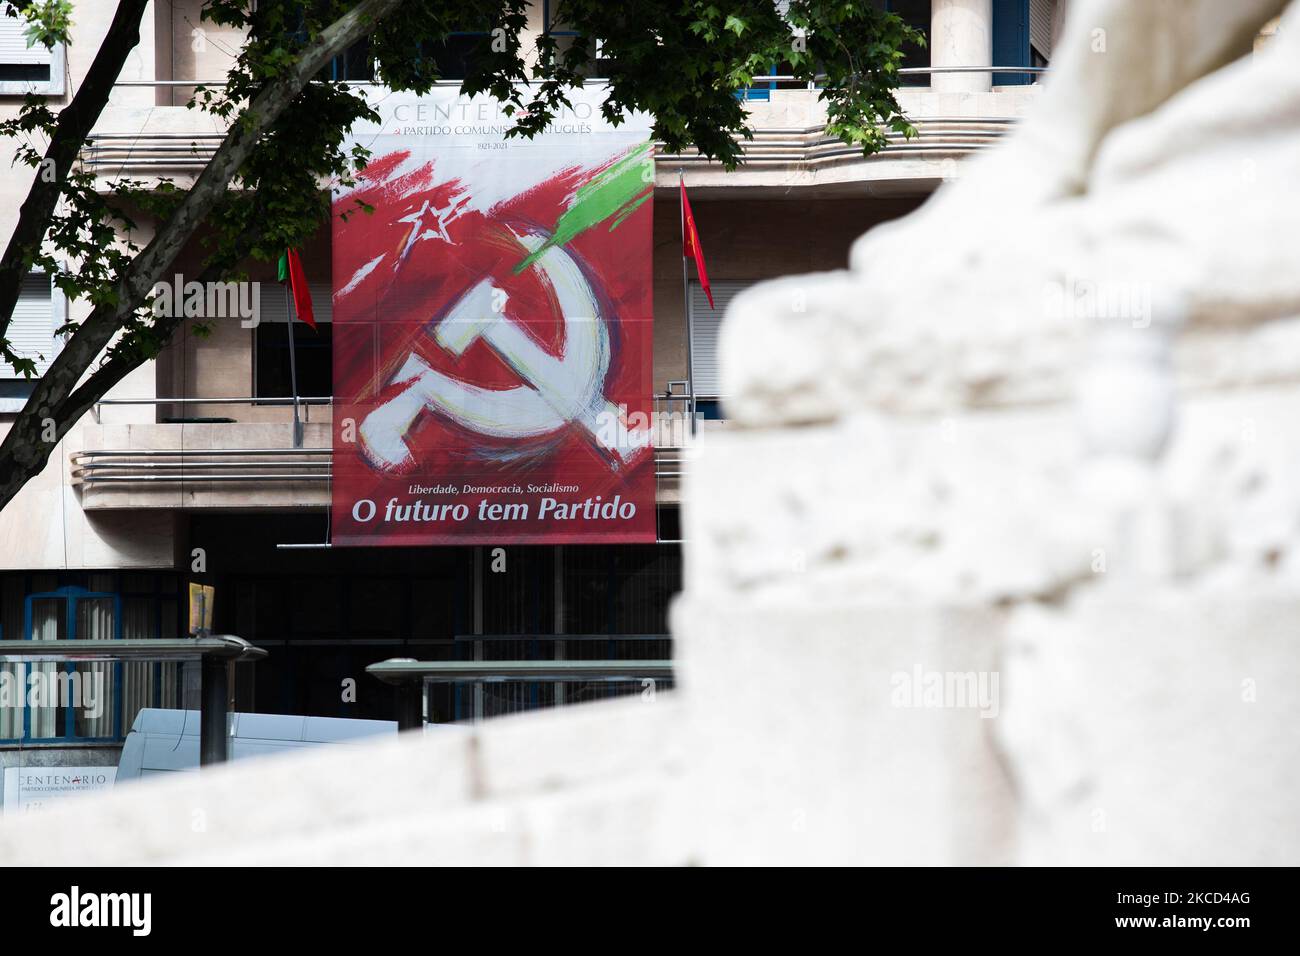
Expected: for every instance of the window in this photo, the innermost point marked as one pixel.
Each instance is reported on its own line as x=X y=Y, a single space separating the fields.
x=916 y=14
x=313 y=351
x=31 y=330
x=456 y=55
x=355 y=63
x=26 y=69
x=705 y=323
x=761 y=91
x=565 y=39
x=41 y=309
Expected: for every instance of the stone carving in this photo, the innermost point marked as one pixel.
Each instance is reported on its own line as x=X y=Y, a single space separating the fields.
x=1042 y=393
x=1139 y=199
x=1152 y=166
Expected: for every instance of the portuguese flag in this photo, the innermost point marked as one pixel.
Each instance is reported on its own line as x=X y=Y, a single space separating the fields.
x=291 y=271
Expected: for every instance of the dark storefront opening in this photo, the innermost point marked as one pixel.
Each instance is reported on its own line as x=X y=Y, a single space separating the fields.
x=325 y=615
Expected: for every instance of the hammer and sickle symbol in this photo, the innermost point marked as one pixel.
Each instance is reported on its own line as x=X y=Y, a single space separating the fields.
x=554 y=390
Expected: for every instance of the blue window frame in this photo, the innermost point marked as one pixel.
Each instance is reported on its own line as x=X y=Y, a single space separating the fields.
x=550 y=26
x=355 y=64
x=761 y=91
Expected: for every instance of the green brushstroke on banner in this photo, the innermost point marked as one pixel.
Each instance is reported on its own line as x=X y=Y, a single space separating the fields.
x=629 y=209
x=617 y=191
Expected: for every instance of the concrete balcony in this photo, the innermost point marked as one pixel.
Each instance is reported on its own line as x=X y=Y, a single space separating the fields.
x=789 y=156
x=249 y=466
x=239 y=466
x=151 y=143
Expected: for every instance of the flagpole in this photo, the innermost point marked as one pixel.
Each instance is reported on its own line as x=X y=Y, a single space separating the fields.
x=293 y=370
x=686 y=298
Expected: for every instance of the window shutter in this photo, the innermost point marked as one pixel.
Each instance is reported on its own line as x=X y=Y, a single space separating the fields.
x=13 y=44
x=1041 y=15
x=705 y=322
x=274 y=302
x=25 y=69
x=31 y=330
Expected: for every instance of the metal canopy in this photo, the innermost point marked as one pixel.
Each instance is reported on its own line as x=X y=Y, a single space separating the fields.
x=562 y=637
x=411 y=676
x=216 y=652
x=401 y=671
x=224 y=647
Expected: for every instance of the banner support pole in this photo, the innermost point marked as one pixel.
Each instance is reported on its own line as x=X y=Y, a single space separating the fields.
x=686 y=302
x=293 y=371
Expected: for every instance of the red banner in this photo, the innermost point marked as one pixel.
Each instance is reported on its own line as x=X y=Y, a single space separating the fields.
x=493 y=331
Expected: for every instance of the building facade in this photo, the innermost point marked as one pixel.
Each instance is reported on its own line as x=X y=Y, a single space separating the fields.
x=190 y=472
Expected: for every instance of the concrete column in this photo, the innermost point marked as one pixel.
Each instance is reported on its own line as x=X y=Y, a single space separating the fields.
x=961 y=34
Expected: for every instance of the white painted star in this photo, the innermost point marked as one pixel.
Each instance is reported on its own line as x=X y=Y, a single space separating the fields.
x=430 y=222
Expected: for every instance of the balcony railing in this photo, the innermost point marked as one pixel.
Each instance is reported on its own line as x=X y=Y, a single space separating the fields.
x=304 y=402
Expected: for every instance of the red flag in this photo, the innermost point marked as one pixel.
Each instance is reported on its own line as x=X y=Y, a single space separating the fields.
x=691 y=243
x=292 y=265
